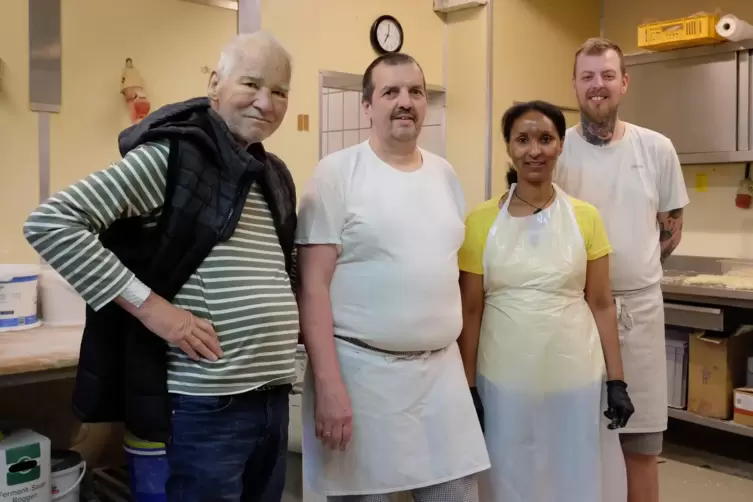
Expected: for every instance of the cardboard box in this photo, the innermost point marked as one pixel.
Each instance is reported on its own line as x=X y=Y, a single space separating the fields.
x=25 y=467
x=717 y=367
x=744 y=406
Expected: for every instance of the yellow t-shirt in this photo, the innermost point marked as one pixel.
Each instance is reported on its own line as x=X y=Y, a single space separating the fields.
x=481 y=219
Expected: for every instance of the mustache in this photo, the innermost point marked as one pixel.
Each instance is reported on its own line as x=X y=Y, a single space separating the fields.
x=403 y=112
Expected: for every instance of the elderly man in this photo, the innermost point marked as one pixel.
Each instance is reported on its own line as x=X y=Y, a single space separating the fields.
x=386 y=405
x=633 y=176
x=192 y=323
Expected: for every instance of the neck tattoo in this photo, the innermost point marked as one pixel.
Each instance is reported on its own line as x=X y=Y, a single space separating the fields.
x=598 y=133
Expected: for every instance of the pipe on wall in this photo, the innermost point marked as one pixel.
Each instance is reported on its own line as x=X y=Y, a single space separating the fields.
x=489 y=99
x=249 y=16
x=45 y=78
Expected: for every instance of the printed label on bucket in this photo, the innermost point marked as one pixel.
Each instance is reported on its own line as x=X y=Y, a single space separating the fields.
x=23 y=464
x=17 y=321
x=24 y=467
x=18 y=302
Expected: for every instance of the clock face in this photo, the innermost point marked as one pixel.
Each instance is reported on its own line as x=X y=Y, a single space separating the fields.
x=389 y=35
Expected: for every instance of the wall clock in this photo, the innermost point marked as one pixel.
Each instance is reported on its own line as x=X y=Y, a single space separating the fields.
x=386 y=35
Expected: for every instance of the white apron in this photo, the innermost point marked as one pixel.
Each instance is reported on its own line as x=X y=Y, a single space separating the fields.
x=414 y=425
x=640 y=320
x=541 y=367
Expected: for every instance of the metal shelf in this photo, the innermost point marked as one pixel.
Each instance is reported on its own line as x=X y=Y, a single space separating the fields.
x=722 y=425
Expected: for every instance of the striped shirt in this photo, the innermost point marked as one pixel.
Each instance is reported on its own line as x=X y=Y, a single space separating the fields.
x=242 y=286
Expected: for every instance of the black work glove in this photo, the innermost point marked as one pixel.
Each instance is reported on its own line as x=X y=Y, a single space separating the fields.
x=479 y=407
x=619 y=406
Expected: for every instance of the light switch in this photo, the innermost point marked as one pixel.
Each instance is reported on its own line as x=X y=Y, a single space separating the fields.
x=303 y=122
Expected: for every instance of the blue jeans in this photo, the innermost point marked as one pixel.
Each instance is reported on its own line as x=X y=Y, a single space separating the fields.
x=229 y=448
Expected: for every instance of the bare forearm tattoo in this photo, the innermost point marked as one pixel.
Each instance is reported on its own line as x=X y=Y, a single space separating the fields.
x=598 y=133
x=670 y=231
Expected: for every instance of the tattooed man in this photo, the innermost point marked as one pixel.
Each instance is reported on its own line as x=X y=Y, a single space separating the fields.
x=633 y=176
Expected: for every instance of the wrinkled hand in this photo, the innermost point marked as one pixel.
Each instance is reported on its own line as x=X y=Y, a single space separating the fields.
x=478 y=405
x=196 y=337
x=334 y=415
x=619 y=406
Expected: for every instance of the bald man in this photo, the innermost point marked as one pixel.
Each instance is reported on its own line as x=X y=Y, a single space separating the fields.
x=183 y=251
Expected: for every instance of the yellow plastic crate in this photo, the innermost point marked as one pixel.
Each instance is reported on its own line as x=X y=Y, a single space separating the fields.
x=677 y=33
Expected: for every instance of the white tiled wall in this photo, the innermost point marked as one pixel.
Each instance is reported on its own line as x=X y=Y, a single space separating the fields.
x=344 y=123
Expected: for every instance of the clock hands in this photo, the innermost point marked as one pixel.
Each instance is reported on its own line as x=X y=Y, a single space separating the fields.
x=386 y=35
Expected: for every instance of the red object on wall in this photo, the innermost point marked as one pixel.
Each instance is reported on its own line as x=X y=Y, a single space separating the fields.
x=744 y=195
x=139 y=108
x=132 y=88
x=743 y=200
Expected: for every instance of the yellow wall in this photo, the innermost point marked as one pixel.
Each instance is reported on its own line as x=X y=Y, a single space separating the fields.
x=466 y=108
x=534 y=45
x=18 y=129
x=169 y=42
x=713 y=225
x=322 y=35
x=333 y=35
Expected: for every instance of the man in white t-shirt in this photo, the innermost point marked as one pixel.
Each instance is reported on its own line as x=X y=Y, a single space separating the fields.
x=386 y=407
x=633 y=176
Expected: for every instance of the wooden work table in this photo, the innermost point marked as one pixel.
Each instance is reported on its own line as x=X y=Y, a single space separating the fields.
x=39 y=354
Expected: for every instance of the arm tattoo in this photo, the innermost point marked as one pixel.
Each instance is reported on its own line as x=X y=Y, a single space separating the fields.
x=670 y=231
x=598 y=133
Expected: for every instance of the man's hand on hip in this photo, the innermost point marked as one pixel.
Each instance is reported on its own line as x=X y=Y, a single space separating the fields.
x=334 y=415
x=196 y=337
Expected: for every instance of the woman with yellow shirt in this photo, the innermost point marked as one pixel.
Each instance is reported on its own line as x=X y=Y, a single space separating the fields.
x=540 y=329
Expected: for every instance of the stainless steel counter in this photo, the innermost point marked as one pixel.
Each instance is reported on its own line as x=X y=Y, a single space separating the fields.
x=676 y=268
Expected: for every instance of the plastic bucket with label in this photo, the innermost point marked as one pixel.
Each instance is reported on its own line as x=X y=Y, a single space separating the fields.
x=67 y=470
x=148 y=469
x=18 y=297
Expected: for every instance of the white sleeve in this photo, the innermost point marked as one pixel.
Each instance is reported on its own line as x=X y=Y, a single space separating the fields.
x=673 y=194
x=136 y=292
x=321 y=210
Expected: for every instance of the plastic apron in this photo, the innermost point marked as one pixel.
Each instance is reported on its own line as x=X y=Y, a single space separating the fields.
x=541 y=367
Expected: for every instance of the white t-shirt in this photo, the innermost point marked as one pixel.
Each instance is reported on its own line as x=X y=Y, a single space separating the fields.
x=395 y=285
x=629 y=181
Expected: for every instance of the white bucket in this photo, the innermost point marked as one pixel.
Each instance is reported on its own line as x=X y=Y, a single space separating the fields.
x=61 y=305
x=67 y=473
x=18 y=297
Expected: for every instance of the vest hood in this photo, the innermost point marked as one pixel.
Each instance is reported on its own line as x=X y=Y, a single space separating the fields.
x=194 y=121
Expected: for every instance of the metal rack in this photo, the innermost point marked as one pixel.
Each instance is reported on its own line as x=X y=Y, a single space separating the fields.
x=706 y=308
x=722 y=425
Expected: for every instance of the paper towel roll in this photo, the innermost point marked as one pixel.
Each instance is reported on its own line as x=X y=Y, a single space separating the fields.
x=734 y=29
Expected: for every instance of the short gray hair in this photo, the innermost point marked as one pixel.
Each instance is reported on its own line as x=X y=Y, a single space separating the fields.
x=237 y=48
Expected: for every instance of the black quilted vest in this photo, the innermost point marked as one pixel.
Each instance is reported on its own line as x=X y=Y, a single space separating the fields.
x=122 y=371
